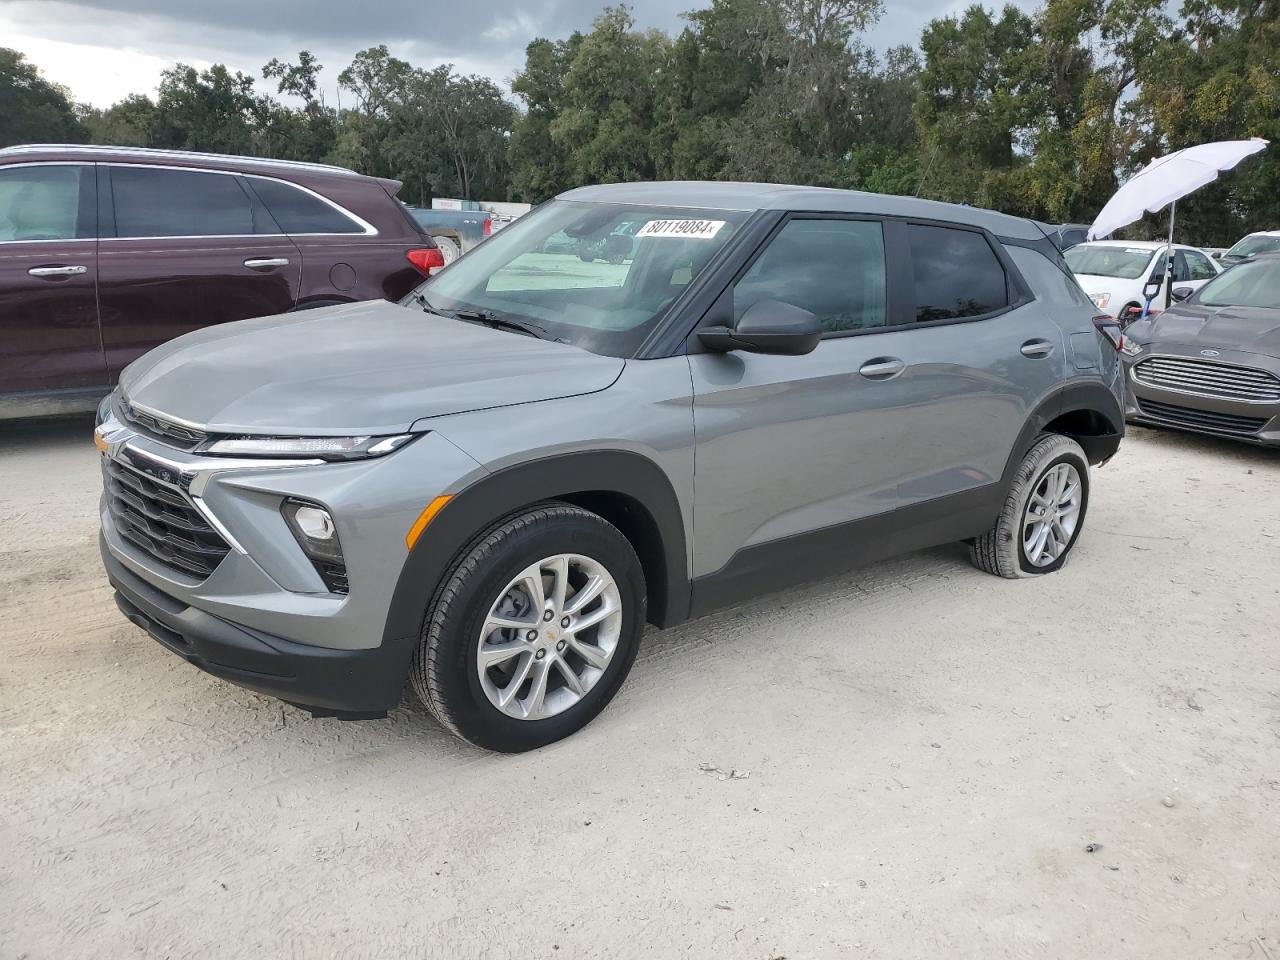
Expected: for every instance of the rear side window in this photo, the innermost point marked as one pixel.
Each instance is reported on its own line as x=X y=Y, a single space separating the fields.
x=154 y=202
x=957 y=274
x=41 y=203
x=300 y=212
x=833 y=268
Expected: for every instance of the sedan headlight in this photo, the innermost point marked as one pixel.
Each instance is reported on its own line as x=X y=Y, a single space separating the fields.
x=322 y=448
x=1101 y=300
x=1130 y=347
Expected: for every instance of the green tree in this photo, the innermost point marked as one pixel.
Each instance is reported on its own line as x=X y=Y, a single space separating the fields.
x=131 y=122
x=451 y=132
x=33 y=110
x=1218 y=79
x=539 y=168
x=610 y=90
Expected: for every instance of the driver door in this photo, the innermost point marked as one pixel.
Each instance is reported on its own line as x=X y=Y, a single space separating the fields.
x=788 y=445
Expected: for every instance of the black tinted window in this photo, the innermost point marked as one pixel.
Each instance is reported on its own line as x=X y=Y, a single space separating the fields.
x=41 y=203
x=832 y=268
x=151 y=202
x=299 y=212
x=957 y=274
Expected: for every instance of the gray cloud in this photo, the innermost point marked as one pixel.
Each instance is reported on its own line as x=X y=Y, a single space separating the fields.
x=478 y=37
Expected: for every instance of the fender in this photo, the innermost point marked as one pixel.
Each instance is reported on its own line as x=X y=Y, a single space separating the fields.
x=649 y=507
x=1087 y=396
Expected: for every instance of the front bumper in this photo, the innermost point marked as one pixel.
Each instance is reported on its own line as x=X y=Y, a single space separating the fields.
x=352 y=684
x=262 y=617
x=1156 y=406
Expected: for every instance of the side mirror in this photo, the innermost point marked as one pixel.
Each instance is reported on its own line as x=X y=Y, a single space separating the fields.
x=1182 y=293
x=768 y=326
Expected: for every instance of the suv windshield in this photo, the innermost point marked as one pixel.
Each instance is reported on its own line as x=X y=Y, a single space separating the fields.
x=1125 y=262
x=597 y=275
x=1254 y=284
x=1252 y=245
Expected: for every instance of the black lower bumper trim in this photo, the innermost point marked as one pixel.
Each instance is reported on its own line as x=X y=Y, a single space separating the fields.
x=350 y=684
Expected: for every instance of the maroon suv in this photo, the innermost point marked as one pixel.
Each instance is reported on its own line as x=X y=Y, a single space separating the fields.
x=106 y=252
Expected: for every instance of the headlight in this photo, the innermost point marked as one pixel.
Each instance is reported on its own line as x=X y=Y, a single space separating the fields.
x=104 y=409
x=1131 y=347
x=1100 y=300
x=324 y=448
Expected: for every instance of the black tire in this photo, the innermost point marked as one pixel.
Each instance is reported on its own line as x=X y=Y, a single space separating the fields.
x=443 y=671
x=1000 y=550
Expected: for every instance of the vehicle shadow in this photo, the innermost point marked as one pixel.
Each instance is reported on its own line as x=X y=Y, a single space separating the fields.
x=31 y=436
x=1202 y=443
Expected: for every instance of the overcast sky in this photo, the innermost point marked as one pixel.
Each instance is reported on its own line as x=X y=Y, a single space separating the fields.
x=105 y=49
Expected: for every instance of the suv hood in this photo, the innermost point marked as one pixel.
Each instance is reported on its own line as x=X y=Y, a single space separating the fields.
x=365 y=368
x=1245 y=329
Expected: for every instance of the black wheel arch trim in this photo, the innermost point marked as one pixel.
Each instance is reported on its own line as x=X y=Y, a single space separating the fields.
x=625 y=480
x=1089 y=396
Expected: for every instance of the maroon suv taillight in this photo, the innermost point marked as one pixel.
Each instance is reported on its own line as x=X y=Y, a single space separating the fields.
x=1110 y=328
x=426 y=259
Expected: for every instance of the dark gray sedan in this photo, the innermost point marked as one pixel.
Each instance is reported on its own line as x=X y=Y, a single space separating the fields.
x=1212 y=362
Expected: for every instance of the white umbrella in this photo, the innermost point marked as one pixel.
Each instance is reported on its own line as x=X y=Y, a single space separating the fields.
x=1164 y=180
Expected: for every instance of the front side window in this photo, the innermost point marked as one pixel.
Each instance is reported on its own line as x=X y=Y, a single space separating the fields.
x=41 y=203
x=1198 y=266
x=155 y=202
x=957 y=274
x=835 y=269
x=1254 y=284
x=598 y=275
x=299 y=212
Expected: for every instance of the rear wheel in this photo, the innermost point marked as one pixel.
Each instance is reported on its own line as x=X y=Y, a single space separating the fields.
x=1043 y=513
x=533 y=631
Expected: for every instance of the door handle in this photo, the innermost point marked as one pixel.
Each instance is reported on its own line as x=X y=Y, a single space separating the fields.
x=67 y=271
x=882 y=368
x=267 y=263
x=1037 y=349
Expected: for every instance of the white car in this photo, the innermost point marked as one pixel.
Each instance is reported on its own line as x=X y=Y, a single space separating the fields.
x=1264 y=241
x=1114 y=272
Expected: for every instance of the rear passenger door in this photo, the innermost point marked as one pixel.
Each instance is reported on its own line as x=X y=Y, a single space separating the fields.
x=184 y=249
x=48 y=281
x=981 y=354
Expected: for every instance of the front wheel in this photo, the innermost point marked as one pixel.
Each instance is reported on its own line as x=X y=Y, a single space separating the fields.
x=533 y=631
x=1043 y=513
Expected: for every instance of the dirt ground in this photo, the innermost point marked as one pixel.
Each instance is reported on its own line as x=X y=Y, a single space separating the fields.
x=923 y=754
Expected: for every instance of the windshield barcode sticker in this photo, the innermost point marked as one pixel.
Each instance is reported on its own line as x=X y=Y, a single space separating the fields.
x=698 y=229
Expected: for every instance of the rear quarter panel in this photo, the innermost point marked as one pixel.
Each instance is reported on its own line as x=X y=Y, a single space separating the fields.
x=355 y=267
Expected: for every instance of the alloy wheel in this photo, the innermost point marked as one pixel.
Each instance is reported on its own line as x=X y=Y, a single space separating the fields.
x=549 y=637
x=1052 y=515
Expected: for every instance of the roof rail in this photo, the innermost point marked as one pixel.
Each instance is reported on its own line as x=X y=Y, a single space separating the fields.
x=173 y=154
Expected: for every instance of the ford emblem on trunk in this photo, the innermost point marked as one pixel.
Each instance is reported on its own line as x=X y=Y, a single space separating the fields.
x=1208 y=353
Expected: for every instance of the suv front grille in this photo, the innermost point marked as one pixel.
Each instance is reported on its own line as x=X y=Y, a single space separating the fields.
x=1201 y=419
x=1209 y=379
x=161 y=522
x=169 y=431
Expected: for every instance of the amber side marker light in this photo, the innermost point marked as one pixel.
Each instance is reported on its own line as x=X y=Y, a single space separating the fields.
x=99 y=444
x=424 y=518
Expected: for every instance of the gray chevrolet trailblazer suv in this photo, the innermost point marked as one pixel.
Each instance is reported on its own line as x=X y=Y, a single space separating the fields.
x=490 y=487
